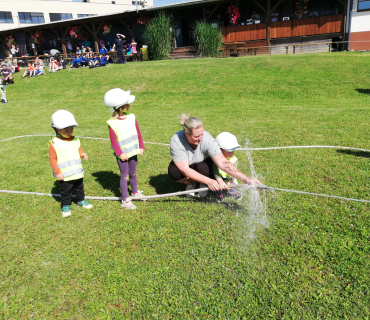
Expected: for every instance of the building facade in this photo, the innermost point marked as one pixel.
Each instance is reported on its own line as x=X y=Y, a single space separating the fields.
x=24 y=13
x=359 y=25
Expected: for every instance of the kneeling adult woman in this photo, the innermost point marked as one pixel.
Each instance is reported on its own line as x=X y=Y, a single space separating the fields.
x=193 y=150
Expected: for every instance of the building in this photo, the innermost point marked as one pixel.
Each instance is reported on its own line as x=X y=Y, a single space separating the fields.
x=24 y=13
x=359 y=25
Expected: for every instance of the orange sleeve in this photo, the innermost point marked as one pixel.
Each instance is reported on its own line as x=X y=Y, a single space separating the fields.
x=53 y=159
x=80 y=151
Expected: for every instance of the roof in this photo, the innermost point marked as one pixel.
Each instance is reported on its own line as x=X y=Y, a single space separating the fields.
x=113 y=15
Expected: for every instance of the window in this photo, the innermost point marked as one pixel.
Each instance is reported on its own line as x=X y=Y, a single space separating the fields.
x=31 y=17
x=60 y=16
x=85 y=15
x=363 y=5
x=113 y=2
x=6 y=17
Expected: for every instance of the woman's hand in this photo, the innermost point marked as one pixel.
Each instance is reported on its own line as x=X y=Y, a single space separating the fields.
x=213 y=185
x=222 y=184
x=141 y=151
x=60 y=177
x=123 y=157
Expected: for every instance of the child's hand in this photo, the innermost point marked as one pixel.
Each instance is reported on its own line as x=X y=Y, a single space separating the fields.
x=141 y=151
x=84 y=156
x=123 y=157
x=60 y=177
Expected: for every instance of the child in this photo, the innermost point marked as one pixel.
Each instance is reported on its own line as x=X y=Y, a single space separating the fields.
x=126 y=141
x=65 y=158
x=228 y=144
x=30 y=71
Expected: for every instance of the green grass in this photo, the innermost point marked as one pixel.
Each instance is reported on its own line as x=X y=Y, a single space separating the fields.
x=180 y=258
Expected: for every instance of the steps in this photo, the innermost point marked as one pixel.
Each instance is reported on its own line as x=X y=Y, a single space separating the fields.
x=184 y=53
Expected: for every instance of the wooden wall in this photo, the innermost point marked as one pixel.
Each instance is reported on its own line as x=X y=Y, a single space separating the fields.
x=285 y=29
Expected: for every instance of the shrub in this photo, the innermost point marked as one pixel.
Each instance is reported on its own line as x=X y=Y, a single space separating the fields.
x=208 y=39
x=159 y=36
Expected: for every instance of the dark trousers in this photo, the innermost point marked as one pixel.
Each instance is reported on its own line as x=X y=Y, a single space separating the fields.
x=76 y=65
x=121 y=55
x=66 y=188
x=204 y=168
x=85 y=63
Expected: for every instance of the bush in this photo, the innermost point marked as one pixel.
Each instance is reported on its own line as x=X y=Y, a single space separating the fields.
x=159 y=36
x=208 y=39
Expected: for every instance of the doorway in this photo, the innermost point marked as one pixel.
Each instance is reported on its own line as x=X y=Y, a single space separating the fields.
x=185 y=32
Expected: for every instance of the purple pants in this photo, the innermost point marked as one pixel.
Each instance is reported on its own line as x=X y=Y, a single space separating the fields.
x=128 y=172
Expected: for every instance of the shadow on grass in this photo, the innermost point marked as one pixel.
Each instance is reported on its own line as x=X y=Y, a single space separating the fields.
x=355 y=153
x=164 y=184
x=363 y=91
x=109 y=181
x=56 y=190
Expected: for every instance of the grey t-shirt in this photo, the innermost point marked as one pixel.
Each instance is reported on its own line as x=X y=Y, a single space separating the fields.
x=181 y=149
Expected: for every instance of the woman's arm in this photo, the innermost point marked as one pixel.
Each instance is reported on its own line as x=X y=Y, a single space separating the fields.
x=188 y=172
x=233 y=171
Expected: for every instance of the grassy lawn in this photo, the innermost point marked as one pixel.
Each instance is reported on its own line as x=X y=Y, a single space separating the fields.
x=179 y=258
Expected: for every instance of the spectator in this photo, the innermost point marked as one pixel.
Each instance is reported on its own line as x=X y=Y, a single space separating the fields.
x=120 y=42
x=7 y=63
x=100 y=42
x=255 y=16
x=53 y=65
x=103 y=49
x=94 y=62
x=76 y=62
x=30 y=71
x=39 y=69
x=78 y=50
x=15 y=66
x=313 y=13
x=7 y=75
x=69 y=46
x=220 y=21
x=83 y=49
x=274 y=16
x=62 y=63
x=86 y=43
x=330 y=11
x=89 y=53
x=84 y=61
x=14 y=51
x=38 y=61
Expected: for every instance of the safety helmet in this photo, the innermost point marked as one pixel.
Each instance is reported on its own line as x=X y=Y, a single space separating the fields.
x=116 y=98
x=227 y=141
x=63 y=119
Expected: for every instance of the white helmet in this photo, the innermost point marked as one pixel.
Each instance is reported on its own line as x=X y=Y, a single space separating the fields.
x=63 y=119
x=116 y=98
x=227 y=141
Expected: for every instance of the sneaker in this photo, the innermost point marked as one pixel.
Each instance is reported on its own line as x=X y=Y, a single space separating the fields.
x=84 y=204
x=139 y=193
x=127 y=204
x=66 y=211
x=3 y=101
x=190 y=187
x=23 y=77
x=203 y=194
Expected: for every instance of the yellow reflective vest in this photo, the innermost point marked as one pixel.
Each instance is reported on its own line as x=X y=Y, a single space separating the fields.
x=223 y=174
x=126 y=134
x=68 y=158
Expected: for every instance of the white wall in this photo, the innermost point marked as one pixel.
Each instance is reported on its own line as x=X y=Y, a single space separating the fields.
x=360 y=20
x=61 y=6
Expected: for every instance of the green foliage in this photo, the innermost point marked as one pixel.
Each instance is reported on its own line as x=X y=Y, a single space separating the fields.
x=208 y=39
x=189 y=259
x=159 y=36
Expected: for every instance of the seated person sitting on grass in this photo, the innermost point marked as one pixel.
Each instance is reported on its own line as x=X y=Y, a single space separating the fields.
x=15 y=67
x=84 y=61
x=30 y=71
x=53 y=65
x=7 y=75
x=89 y=53
x=102 y=61
x=7 y=63
x=76 y=62
x=103 y=49
x=62 y=63
x=94 y=61
x=39 y=69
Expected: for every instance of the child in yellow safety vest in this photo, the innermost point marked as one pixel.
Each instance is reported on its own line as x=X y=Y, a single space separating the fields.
x=65 y=156
x=228 y=144
x=126 y=141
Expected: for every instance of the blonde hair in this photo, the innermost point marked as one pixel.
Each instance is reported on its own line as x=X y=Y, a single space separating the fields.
x=119 y=111
x=190 y=123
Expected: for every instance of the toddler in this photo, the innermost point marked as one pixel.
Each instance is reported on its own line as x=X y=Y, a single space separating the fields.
x=65 y=156
x=228 y=144
x=126 y=141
